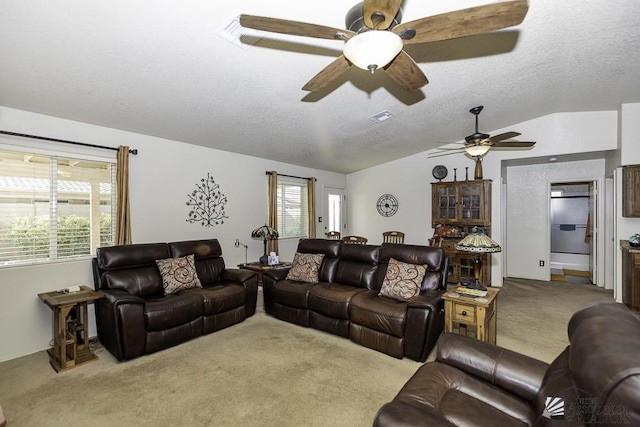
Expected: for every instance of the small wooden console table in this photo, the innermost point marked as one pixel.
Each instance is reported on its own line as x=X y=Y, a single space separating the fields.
x=70 y=338
x=468 y=311
x=260 y=268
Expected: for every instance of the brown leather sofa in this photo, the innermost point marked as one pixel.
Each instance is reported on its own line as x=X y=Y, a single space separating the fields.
x=595 y=381
x=345 y=301
x=137 y=318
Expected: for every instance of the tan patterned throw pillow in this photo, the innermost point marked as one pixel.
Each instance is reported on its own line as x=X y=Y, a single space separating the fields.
x=402 y=281
x=305 y=267
x=178 y=274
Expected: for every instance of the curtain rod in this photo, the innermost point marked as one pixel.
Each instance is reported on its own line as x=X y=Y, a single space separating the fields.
x=291 y=176
x=84 y=144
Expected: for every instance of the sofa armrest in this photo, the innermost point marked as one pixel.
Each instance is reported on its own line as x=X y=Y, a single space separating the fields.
x=424 y=324
x=238 y=275
x=120 y=323
x=248 y=279
x=518 y=374
x=275 y=275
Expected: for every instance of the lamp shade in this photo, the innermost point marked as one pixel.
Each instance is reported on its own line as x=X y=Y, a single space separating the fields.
x=477 y=150
x=372 y=49
x=478 y=242
x=264 y=232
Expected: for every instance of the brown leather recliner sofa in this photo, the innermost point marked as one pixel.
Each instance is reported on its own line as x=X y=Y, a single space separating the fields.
x=345 y=300
x=136 y=317
x=595 y=381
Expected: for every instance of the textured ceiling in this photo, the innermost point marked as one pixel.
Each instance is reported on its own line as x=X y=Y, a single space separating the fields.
x=160 y=68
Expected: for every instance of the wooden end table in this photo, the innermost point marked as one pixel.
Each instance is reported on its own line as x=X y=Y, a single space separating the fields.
x=70 y=338
x=466 y=311
x=260 y=268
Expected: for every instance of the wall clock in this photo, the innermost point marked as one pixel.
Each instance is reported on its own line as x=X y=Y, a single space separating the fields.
x=439 y=172
x=387 y=205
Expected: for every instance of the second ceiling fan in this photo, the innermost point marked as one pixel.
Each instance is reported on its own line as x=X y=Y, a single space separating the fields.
x=478 y=144
x=375 y=38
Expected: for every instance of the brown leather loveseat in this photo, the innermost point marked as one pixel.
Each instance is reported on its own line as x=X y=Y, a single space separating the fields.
x=344 y=299
x=595 y=381
x=137 y=316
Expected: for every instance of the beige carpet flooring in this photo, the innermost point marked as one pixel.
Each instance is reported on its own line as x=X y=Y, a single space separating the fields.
x=262 y=372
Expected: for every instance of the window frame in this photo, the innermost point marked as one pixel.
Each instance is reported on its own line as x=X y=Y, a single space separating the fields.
x=303 y=205
x=54 y=254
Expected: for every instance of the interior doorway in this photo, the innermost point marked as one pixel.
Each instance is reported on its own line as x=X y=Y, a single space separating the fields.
x=573 y=232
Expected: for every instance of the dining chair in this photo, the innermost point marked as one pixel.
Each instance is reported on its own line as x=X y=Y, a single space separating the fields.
x=393 y=237
x=359 y=240
x=333 y=235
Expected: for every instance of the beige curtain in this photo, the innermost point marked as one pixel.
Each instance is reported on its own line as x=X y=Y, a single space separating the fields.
x=311 y=206
x=272 y=245
x=123 y=216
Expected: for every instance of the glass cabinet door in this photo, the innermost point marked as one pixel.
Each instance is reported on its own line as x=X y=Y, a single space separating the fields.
x=447 y=202
x=470 y=202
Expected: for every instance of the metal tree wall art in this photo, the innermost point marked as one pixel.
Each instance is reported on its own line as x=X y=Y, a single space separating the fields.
x=207 y=203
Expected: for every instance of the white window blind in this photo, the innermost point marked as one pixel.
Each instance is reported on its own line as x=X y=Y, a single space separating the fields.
x=293 y=210
x=54 y=208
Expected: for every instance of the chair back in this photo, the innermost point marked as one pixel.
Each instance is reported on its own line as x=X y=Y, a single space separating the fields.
x=333 y=235
x=393 y=237
x=359 y=240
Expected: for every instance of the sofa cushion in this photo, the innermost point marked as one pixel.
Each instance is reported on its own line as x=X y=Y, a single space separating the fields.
x=402 y=280
x=291 y=293
x=357 y=265
x=172 y=310
x=305 y=267
x=178 y=274
x=332 y=299
x=221 y=298
x=378 y=313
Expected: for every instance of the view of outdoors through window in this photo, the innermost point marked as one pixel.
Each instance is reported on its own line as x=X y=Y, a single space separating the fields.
x=292 y=210
x=54 y=208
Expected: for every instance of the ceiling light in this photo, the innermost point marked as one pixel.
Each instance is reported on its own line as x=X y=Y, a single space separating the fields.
x=372 y=49
x=477 y=150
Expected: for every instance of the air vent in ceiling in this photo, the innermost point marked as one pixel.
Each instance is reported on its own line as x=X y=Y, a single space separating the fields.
x=232 y=31
x=381 y=116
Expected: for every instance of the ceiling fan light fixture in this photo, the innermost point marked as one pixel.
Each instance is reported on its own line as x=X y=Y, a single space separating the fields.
x=477 y=150
x=372 y=49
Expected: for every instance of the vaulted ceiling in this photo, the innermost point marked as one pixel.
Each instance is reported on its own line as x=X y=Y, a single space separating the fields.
x=167 y=69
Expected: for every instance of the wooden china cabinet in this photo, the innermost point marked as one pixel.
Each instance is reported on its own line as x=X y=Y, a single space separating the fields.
x=462 y=205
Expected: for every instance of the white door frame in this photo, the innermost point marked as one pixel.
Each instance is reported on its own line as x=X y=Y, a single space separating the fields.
x=324 y=219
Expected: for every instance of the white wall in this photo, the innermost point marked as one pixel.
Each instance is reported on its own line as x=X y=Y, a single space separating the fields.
x=409 y=179
x=161 y=176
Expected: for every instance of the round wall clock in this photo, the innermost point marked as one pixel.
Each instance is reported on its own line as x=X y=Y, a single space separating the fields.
x=439 y=172
x=387 y=205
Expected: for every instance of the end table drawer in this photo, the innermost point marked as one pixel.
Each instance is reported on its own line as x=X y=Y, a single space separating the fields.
x=464 y=314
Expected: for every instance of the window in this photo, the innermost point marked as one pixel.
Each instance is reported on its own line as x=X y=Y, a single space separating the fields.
x=293 y=215
x=54 y=208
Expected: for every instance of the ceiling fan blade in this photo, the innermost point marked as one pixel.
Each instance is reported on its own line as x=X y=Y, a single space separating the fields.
x=503 y=136
x=328 y=74
x=404 y=71
x=441 y=154
x=465 y=22
x=514 y=144
x=379 y=14
x=294 y=28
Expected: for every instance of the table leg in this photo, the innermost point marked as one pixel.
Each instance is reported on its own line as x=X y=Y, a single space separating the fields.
x=448 y=318
x=481 y=312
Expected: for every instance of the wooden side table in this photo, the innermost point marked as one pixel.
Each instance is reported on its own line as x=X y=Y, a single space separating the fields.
x=466 y=311
x=260 y=268
x=70 y=338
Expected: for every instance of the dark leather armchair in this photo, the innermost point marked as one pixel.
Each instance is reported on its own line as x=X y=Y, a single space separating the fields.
x=594 y=381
